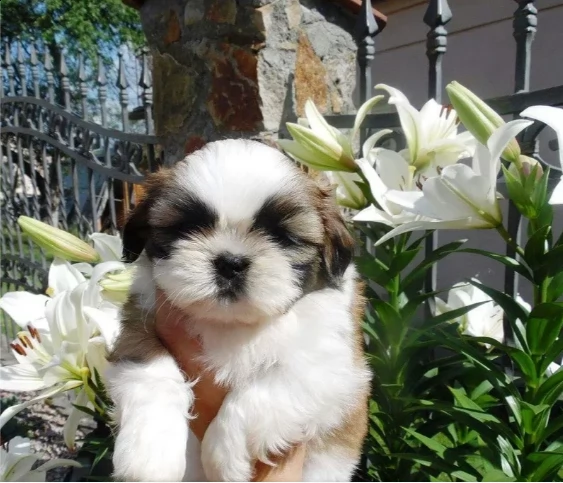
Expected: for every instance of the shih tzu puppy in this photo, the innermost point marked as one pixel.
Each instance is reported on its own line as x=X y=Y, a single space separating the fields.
x=257 y=256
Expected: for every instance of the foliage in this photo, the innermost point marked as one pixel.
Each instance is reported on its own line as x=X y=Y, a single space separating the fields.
x=93 y=26
x=454 y=397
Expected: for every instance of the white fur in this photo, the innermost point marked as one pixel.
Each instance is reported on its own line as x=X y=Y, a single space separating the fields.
x=152 y=403
x=294 y=380
x=288 y=361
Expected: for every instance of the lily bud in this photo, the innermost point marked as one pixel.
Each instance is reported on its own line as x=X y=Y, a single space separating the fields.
x=115 y=287
x=318 y=144
x=479 y=118
x=58 y=242
x=526 y=166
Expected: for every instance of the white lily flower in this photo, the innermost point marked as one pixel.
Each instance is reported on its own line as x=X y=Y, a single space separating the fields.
x=109 y=247
x=553 y=117
x=460 y=197
x=67 y=350
x=486 y=320
x=348 y=193
x=17 y=460
x=431 y=133
x=385 y=170
x=321 y=146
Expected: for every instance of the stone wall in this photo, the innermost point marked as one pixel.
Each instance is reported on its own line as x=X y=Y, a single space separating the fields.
x=242 y=68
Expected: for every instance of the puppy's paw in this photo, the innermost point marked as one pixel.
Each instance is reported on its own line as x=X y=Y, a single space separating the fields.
x=139 y=456
x=224 y=454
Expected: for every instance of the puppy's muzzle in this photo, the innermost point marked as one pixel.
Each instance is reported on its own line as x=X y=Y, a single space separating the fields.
x=231 y=272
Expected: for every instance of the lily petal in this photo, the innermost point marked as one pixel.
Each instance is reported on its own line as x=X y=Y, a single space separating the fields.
x=74 y=418
x=63 y=276
x=557 y=194
x=553 y=117
x=372 y=140
x=363 y=112
x=20 y=377
x=107 y=323
x=423 y=225
x=503 y=135
x=25 y=308
x=109 y=247
x=408 y=115
x=373 y=215
x=10 y=412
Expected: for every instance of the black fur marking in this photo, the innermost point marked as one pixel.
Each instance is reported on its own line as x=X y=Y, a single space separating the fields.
x=195 y=217
x=271 y=217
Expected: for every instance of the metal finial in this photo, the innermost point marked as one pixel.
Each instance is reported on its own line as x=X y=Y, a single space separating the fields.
x=101 y=78
x=34 y=67
x=48 y=61
x=437 y=13
x=145 y=82
x=63 y=69
x=121 y=77
x=366 y=24
x=81 y=67
x=525 y=25
x=19 y=55
x=7 y=55
x=33 y=53
x=9 y=66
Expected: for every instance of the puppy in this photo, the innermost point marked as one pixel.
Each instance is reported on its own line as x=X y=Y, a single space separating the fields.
x=255 y=253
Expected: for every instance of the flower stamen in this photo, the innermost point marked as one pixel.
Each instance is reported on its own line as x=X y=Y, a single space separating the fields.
x=34 y=332
x=18 y=348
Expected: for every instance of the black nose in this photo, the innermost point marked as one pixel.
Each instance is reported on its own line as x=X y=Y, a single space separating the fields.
x=230 y=266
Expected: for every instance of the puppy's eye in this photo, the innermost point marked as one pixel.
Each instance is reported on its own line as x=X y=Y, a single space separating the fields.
x=283 y=236
x=195 y=216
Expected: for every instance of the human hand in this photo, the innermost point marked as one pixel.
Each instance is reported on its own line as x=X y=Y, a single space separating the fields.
x=171 y=328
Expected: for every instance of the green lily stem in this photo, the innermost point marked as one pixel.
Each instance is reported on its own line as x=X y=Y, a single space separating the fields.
x=508 y=239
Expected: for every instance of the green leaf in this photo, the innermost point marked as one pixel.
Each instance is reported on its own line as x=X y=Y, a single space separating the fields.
x=507 y=261
x=496 y=475
x=555 y=288
x=371 y=268
x=531 y=416
x=430 y=443
x=544 y=326
x=440 y=319
x=518 y=194
x=88 y=411
x=544 y=465
x=550 y=390
x=420 y=270
x=535 y=248
x=552 y=262
x=401 y=261
x=466 y=403
x=539 y=194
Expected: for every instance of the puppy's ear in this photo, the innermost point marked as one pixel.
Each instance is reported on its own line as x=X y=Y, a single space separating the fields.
x=338 y=244
x=136 y=230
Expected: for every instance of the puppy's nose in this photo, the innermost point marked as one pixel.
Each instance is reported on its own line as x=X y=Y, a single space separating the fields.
x=230 y=266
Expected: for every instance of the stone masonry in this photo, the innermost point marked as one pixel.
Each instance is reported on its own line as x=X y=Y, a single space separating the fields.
x=243 y=68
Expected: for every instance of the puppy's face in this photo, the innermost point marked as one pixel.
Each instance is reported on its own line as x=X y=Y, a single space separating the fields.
x=237 y=233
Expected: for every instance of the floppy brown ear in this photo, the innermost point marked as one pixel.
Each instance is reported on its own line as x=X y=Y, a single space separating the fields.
x=338 y=244
x=136 y=230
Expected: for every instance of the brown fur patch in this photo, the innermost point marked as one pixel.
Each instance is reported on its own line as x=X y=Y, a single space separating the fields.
x=350 y=435
x=137 y=340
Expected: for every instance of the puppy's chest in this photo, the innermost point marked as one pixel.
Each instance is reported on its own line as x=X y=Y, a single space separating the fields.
x=238 y=355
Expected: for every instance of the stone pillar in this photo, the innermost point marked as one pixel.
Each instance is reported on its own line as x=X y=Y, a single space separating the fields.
x=242 y=68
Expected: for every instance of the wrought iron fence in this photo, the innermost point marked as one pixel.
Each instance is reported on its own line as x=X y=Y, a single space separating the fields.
x=69 y=156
